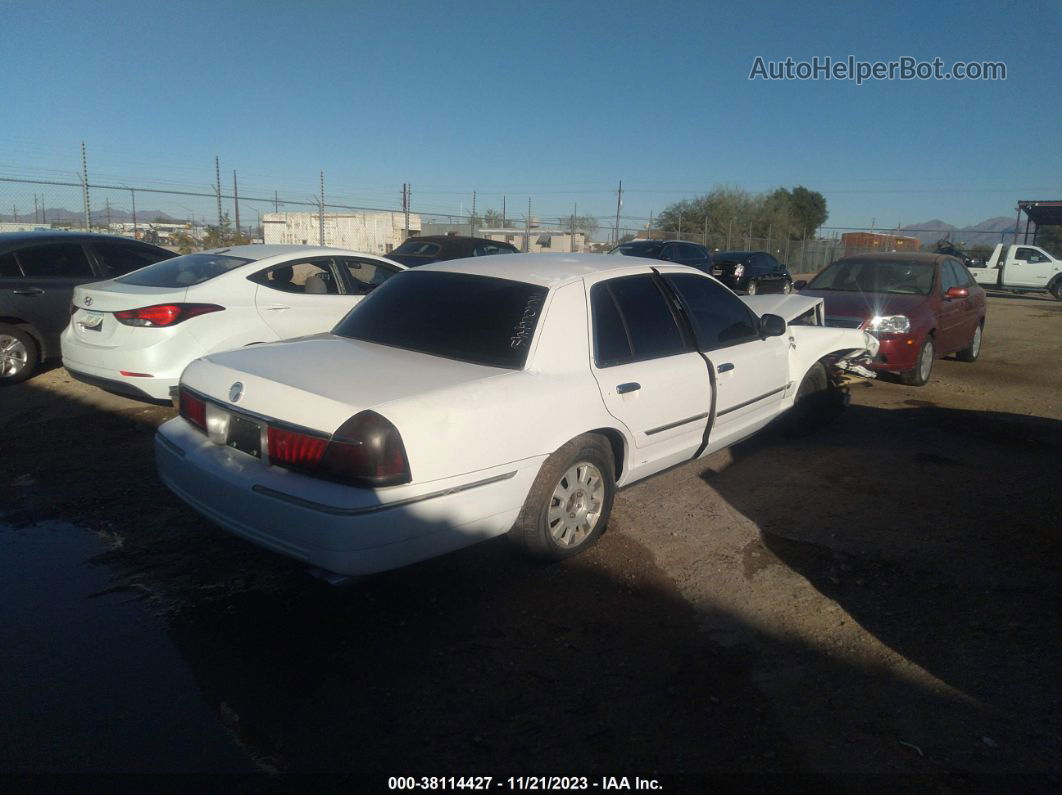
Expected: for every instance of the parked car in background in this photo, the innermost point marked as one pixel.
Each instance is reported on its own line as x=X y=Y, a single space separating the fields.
x=435 y=248
x=477 y=397
x=919 y=306
x=134 y=335
x=677 y=251
x=38 y=273
x=751 y=272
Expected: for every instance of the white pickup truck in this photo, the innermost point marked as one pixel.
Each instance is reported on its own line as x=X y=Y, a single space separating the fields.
x=1021 y=268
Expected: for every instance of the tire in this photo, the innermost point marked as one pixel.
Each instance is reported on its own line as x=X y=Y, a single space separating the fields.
x=570 y=501
x=787 y=287
x=1056 y=289
x=19 y=355
x=816 y=402
x=919 y=374
x=751 y=289
x=973 y=350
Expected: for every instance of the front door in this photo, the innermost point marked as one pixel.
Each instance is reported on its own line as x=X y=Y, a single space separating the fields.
x=301 y=296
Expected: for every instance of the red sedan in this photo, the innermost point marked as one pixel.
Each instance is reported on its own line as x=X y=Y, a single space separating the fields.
x=919 y=306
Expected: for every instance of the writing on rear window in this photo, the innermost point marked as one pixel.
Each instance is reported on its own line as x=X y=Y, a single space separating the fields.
x=525 y=328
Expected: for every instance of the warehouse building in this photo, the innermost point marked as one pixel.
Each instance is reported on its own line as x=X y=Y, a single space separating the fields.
x=371 y=232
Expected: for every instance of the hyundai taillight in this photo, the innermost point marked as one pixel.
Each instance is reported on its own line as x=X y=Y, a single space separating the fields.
x=164 y=314
x=367 y=449
x=193 y=409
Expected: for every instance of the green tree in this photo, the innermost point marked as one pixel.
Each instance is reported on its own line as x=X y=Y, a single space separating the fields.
x=492 y=219
x=219 y=235
x=807 y=209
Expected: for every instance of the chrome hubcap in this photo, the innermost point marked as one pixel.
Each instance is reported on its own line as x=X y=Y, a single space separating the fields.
x=575 y=507
x=13 y=356
x=977 y=341
x=752 y=288
x=926 y=362
x=787 y=288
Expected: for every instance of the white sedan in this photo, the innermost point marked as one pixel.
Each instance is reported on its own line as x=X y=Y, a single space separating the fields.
x=475 y=397
x=135 y=334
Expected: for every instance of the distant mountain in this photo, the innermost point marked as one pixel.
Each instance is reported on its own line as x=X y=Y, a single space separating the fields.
x=99 y=216
x=987 y=233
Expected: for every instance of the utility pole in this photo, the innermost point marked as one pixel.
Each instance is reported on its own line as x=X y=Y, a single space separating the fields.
x=85 y=188
x=132 y=196
x=706 y=231
x=321 y=212
x=44 y=211
x=236 y=202
x=217 y=190
x=503 y=212
x=405 y=207
x=649 y=228
x=619 y=204
x=527 y=228
x=35 y=208
x=276 y=203
x=472 y=218
x=107 y=206
x=575 y=212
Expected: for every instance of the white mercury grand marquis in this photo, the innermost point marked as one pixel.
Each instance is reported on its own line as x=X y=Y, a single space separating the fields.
x=471 y=398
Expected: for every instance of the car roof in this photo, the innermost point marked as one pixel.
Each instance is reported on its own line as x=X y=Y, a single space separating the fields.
x=259 y=251
x=927 y=258
x=53 y=235
x=547 y=270
x=453 y=239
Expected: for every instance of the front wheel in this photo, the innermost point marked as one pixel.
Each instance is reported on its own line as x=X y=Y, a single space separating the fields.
x=787 y=287
x=570 y=501
x=919 y=374
x=1056 y=289
x=751 y=289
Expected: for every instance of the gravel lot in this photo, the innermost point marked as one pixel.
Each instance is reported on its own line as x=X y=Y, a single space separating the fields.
x=880 y=598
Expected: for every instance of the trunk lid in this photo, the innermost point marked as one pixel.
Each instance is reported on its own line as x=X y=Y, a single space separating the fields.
x=93 y=320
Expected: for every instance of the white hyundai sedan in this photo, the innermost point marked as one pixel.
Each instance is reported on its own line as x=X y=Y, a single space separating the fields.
x=135 y=334
x=475 y=397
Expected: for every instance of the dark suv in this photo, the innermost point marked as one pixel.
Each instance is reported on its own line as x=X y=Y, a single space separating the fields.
x=434 y=248
x=751 y=272
x=38 y=273
x=678 y=251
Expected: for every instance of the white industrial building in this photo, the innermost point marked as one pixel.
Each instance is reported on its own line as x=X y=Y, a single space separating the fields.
x=538 y=239
x=371 y=232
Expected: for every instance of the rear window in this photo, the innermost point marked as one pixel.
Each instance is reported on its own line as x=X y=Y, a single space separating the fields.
x=119 y=258
x=648 y=250
x=420 y=248
x=478 y=319
x=184 y=271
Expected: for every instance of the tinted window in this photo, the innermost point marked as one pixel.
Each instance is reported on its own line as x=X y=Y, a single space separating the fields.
x=951 y=275
x=118 y=258
x=308 y=277
x=421 y=248
x=876 y=276
x=57 y=261
x=184 y=271
x=9 y=267
x=367 y=275
x=718 y=317
x=476 y=319
x=692 y=252
x=611 y=345
x=770 y=264
x=490 y=249
x=649 y=250
x=651 y=328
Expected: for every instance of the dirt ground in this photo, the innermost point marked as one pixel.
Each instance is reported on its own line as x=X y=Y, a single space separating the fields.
x=881 y=598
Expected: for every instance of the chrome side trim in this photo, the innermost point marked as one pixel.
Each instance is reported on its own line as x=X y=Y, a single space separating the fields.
x=754 y=400
x=677 y=423
x=168 y=444
x=331 y=509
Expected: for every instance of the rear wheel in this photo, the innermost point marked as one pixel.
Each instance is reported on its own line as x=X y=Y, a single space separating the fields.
x=18 y=355
x=919 y=374
x=570 y=501
x=973 y=350
x=1056 y=289
x=751 y=289
x=787 y=287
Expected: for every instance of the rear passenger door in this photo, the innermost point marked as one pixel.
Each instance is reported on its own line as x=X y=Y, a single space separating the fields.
x=42 y=295
x=651 y=378
x=301 y=296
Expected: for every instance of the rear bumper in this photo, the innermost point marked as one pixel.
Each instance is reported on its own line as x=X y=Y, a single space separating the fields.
x=126 y=387
x=338 y=528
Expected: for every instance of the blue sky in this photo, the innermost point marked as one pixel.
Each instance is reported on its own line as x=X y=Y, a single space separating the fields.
x=557 y=101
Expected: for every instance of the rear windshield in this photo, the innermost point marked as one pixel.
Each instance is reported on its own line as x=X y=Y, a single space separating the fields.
x=420 y=248
x=649 y=250
x=477 y=319
x=184 y=271
x=876 y=276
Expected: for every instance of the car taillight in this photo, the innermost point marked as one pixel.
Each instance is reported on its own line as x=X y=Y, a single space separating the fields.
x=164 y=314
x=738 y=271
x=193 y=409
x=293 y=449
x=366 y=449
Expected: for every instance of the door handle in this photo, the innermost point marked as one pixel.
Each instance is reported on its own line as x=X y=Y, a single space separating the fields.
x=276 y=307
x=726 y=367
x=623 y=389
x=29 y=291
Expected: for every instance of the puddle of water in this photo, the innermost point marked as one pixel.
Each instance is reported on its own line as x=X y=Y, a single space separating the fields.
x=89 y=680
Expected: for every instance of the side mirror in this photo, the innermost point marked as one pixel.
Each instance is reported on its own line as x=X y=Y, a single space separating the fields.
x=772 y=326
x=957 y=292
x=800 y=284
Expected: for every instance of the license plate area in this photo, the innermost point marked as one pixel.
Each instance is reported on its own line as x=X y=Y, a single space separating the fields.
x=244 y=435
x=91 y=321
x=717 y=271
